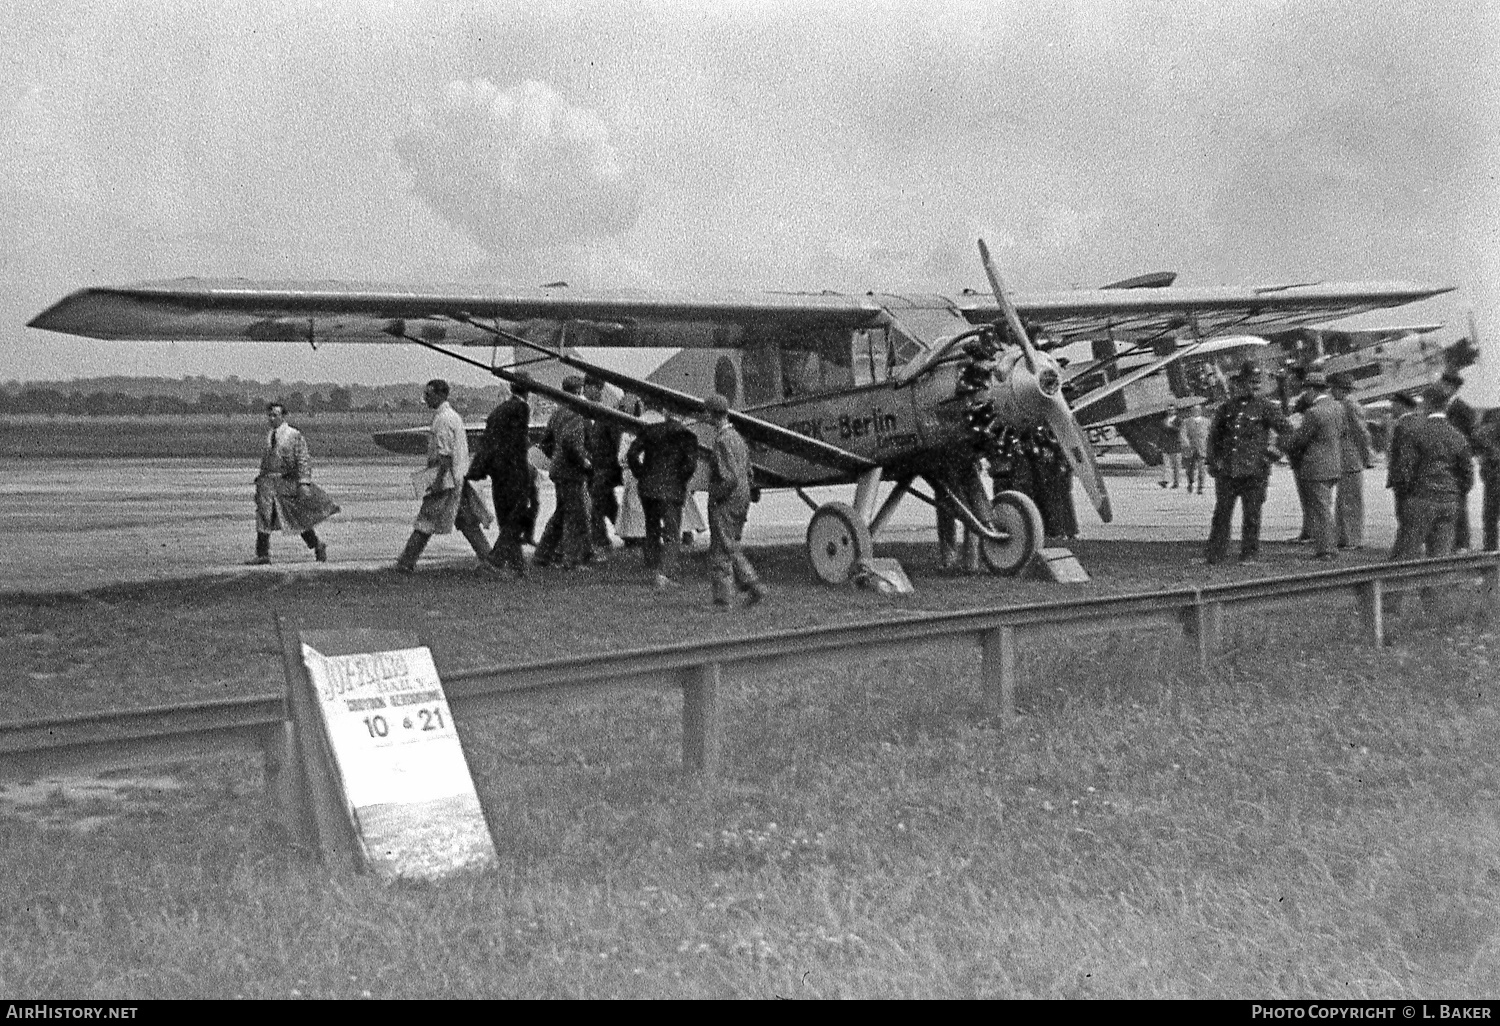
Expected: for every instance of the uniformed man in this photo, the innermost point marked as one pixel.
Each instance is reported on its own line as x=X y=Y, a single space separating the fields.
x=1240 y=452
x=728 y=506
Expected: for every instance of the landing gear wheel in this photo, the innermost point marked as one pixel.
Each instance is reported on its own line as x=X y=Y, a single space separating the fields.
x=1017 y=516
x=837 y=542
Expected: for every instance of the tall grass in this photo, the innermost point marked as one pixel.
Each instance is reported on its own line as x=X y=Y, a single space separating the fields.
x=1311 y=819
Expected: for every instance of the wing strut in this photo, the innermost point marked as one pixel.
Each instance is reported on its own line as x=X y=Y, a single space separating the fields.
x=753 y=428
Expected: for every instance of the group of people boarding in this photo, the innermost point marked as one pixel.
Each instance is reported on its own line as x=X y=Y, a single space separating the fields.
x=585 y=471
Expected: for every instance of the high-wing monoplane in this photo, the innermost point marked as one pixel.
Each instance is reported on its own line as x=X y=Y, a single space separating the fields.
x=827 y=388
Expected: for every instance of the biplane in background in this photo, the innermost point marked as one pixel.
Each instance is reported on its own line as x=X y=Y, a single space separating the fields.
x=828 y=389
x=1380 y=362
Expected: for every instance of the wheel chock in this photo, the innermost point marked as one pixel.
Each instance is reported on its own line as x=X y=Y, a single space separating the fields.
x=1058 y=565
x=884 y=576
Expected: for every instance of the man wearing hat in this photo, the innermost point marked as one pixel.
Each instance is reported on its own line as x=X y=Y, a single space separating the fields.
x=1463 y=418
x=1239 y=455
x=1358 y=456
x=1434 y=471
x=502 y=458
x=1316 y=450
x=566 y=536
x=728 y=506
x=1405 y=416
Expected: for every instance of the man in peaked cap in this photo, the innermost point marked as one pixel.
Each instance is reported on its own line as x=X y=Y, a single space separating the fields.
x=1239 y=456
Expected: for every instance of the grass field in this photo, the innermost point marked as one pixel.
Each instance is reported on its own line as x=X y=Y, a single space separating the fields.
x=331 y=435
x=1313 y=818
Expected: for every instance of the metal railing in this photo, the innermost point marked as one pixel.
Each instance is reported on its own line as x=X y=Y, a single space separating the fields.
x=99 y=742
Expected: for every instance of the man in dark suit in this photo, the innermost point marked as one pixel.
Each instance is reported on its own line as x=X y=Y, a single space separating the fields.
x=566 y=536
x=662 y=458
x=502 y=458
x=1316 y=449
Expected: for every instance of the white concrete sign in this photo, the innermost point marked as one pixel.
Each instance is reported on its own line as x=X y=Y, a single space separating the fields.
x=405 y=782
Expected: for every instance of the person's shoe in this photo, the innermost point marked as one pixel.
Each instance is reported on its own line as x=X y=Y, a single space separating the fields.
x=1162 y=483
x=756 y=593
x=1174 y=484
x=664 y=583
x=320 y=552
x=258 y=561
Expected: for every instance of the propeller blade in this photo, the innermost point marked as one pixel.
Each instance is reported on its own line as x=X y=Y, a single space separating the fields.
x=1075 y=444
x=1079 y=453
x=1012 y=319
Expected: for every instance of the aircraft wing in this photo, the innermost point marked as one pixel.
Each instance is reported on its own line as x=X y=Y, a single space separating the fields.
x=245 y=311
x=1064 y=317
x=1120 y=384
x=242 y=311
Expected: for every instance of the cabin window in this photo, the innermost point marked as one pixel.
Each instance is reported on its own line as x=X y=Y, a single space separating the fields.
x=813 y=362
x=873 y=356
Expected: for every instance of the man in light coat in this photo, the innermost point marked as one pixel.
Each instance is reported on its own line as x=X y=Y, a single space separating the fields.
x=1358 y=456
x=1316 y=449
x=1194 y=432
x=285 y=497
x=728 y=507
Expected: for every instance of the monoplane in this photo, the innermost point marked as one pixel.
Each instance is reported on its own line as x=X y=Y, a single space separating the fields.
x=828 y=389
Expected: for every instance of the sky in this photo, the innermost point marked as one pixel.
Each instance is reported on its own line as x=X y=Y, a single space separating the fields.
x=742 y=146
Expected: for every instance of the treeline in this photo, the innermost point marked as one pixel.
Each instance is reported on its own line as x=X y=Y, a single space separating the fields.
x=157 y=396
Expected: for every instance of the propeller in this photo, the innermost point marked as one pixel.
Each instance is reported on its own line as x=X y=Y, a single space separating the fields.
x=1048 y=384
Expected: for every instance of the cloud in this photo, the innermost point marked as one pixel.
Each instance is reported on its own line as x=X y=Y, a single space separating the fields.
x=519 y=168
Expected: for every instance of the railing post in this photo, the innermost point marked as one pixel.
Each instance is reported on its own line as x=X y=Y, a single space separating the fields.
x=1203 y=623
x=998 y=672
x=1372 y=610
x=702 y=729
x=286 y=788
